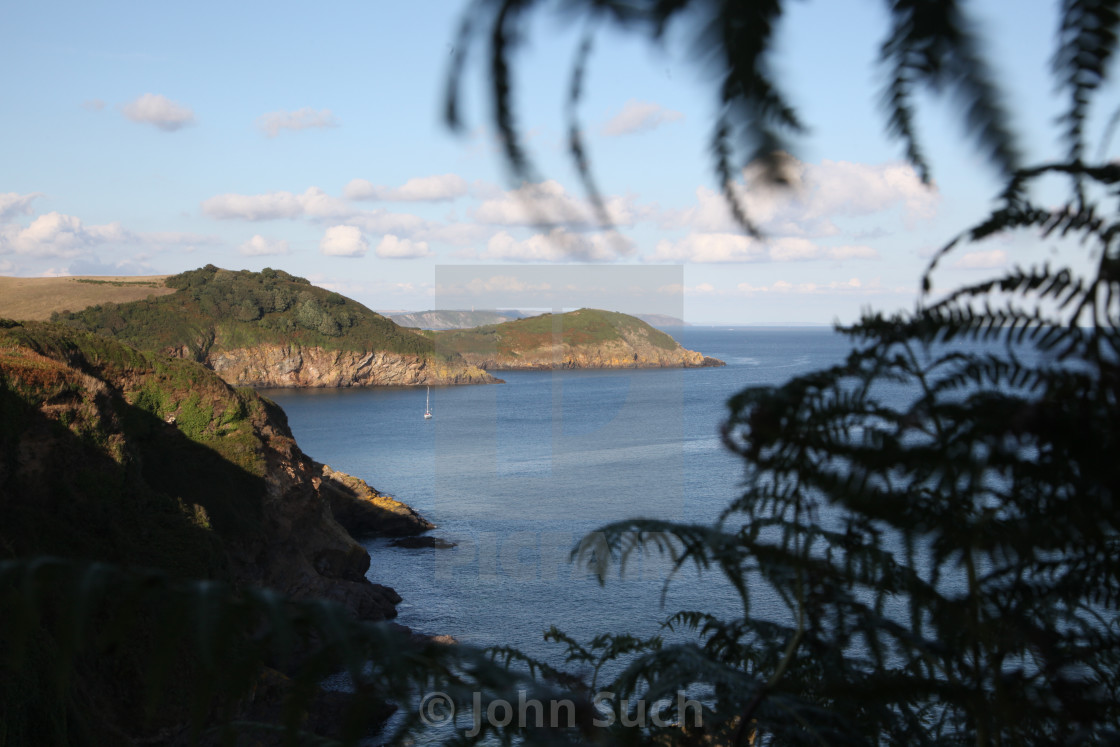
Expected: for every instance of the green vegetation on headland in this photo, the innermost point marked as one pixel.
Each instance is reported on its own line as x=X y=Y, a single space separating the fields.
x=587 y=338
x=215 y=309
x=270 y=328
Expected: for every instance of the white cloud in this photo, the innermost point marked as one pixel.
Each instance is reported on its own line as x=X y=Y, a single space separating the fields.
x=859 y=189
x=559 y=245
x=782 y=286
x=710 y=247
x=93 y=105
x=158 y=110
x=318 y=204
x=639 y=116
x=392 y=247
x=313 y=203
x=496 y=284
x=735 y=247
x=456 y=234
x=986 y=260
x=360 y=189
x=439 y=188
x=58 y=235
x=12 y=204
x=253 y=207
x=382 y=221
x=301 y=119
x=547 y=201
x=259 y=246
x=343 y=241
x=817 y=195
x=485 y=190
x=851 y=286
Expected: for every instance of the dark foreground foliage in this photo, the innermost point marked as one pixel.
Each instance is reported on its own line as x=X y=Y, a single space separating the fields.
x=63 y=617
x=938 y=516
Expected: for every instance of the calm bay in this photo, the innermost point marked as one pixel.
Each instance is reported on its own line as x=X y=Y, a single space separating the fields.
x=517 y=473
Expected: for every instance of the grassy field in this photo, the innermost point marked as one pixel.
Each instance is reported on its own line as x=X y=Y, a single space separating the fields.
x=36 y=298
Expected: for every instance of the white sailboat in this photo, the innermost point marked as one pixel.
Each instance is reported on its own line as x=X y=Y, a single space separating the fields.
x=428 y=405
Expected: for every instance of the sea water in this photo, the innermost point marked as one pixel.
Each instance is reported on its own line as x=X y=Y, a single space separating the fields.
x=518 y=473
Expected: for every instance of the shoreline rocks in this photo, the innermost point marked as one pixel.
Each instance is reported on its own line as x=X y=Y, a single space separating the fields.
x=292 y=365
x=365 y=512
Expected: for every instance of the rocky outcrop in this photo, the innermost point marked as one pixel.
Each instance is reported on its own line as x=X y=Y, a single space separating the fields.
x=612 y=354
x=365 y=512
x=302 y=550
x=113 y=454
x=292 y=365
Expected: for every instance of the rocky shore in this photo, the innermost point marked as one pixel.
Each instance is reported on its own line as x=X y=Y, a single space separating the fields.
x=273 y=365
x=616 y=354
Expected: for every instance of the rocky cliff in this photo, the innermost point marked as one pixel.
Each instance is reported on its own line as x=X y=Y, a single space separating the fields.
x=109 y=453
x=613 y=354
x=293 y=365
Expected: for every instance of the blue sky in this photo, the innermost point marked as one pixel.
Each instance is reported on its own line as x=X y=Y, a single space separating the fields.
x=146 y=138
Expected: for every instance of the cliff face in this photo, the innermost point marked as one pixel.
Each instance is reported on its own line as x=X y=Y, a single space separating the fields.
x=292 y=365
x=299 y=548
x=112 y=454
x=616 y=354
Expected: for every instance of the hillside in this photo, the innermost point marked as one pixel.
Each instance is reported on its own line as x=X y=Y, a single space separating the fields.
x=587 y=338
x=452 y=319
x=270 y=328
x=111 y=454
x=38 y=298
